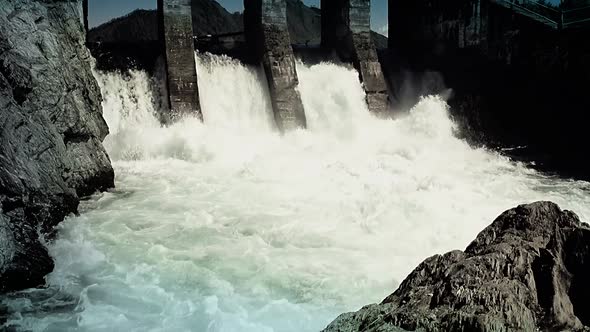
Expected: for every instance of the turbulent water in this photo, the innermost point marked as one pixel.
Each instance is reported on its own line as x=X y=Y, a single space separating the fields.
x=229 y=226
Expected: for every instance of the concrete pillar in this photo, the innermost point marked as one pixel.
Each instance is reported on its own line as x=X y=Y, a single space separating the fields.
x=401 y=17
x=346 y=27
x=176 y=32
x=268 y=36
x=85 y=15
x=476 y=25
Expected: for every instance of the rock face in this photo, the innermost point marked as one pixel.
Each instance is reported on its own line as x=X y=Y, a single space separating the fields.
x=51 y=131
x=527 y=271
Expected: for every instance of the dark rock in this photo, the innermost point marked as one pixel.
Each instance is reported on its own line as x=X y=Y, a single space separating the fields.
x=527 y=271
x=51 y=129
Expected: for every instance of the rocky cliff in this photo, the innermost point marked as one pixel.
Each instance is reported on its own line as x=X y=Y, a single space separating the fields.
x=527 y=271
x=51 y=131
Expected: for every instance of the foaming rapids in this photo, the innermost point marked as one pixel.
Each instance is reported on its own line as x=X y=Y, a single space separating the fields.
x=229 y=226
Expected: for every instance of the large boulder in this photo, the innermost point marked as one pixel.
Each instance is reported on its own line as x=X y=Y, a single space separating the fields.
x=51 y=131
x=527 y=271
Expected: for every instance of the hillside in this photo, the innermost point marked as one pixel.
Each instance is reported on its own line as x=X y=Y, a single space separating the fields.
x=140 y=25
x=211 y=18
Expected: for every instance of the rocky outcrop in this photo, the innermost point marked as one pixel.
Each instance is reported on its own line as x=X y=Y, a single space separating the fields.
x=51 y=131
x=527 y=271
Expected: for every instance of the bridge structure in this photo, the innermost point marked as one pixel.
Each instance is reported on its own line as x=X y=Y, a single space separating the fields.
x=563 y=16
x=497 y=28
x=345 y=31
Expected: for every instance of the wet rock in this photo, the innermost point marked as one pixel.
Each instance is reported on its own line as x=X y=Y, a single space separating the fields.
x=51 y=131
x=527 y=271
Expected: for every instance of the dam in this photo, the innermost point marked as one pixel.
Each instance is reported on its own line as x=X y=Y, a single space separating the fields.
x=292 y=184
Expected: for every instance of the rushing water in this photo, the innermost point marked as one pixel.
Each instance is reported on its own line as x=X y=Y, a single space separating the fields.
x=229 y=226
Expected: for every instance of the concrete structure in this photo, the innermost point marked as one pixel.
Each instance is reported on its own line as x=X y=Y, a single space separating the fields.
x=268 y=36
x=499 y=29
x=176 y=32
x=469 y=23
x=346 y=28
x=517 y=79
x=430 y=26
x=85 y=15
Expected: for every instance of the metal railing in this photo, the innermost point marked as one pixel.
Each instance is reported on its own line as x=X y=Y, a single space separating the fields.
x=556 y=16
x=575 y=17
x=534 y=9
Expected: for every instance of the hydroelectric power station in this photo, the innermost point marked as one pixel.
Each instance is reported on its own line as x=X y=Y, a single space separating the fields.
x=217 y=221
x=423 y=35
